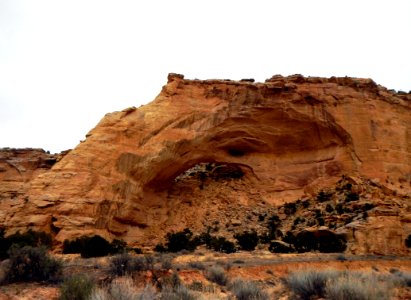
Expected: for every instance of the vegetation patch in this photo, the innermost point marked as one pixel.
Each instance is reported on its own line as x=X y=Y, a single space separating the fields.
x=32 y=264
x=247 y=290
x=77 y=287
x=19 y=240
x=247 y=240
x=94 y=246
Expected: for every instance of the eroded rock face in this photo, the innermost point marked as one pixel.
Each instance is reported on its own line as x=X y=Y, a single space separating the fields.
x=203 y=146
x=17 y=168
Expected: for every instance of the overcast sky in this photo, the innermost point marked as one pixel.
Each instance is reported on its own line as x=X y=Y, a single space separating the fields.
x=64 y=64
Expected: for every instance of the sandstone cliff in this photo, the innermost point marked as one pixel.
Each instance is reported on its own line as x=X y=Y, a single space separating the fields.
x=211 y=152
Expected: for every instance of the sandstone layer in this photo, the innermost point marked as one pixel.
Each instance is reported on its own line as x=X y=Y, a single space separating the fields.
x=204 y=148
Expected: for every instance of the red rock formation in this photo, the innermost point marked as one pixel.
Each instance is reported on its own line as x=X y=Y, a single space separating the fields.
x=206 y=147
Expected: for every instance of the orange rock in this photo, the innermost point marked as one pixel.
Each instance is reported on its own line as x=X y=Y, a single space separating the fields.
x=143 y=172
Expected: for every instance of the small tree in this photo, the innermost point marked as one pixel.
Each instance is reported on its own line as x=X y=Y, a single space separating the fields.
x=94 y=246
x=220 y=244
x=247 y=240
x=180 y=240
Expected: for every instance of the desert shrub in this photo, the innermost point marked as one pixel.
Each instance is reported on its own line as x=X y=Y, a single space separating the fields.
x=326 y=242
x=138 y=264
x=351 y=196
x=148 y=293
x=117 y=246
x=402 y=278
x=196 y=265
x=224 y=264
x=196 y=285
x=122 y=264
x=180 y=240
x=172 y=281
x=94 y=246
x=320 y=221
x=408 y=241
x=247 y=290
x=324 y=196
x=298 y=220
x=125 y=264
x=4 y=245
x=78 y=287
x=221 y=244
x=289 y=238
x=368 y=206
x=290 y=208
x=329 y=208
x=356 y=286
x=136 y=250
x=124 y=289
x=309 y=284
x=160 y=248
x=247 y=240
x=273 y=223
x=217 y=275
x=203 y=238
x=28 y=238
x=179 y=293
x=32 y=264
x=166 y=262
x=280 y=247
x=305 y=203
x=339 y=208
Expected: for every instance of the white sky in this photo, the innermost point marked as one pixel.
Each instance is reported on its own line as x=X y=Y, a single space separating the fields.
x=64 y=64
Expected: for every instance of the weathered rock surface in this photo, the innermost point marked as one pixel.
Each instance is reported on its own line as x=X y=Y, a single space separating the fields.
x=17 y=168
x=203 y=146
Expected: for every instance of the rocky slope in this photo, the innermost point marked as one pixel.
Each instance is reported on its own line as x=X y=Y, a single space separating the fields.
x=208 y=153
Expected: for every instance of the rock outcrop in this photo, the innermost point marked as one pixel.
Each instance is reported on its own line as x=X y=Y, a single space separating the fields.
x=208 y=147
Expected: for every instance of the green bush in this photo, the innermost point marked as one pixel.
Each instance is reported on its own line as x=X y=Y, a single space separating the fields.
x=93 y=246
x=247 y=290
x=76 y=287
x=247 y=240
x=28 y=238
x=221 y=244
x=180 y=241
x=32 y=264
x=203 y=239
